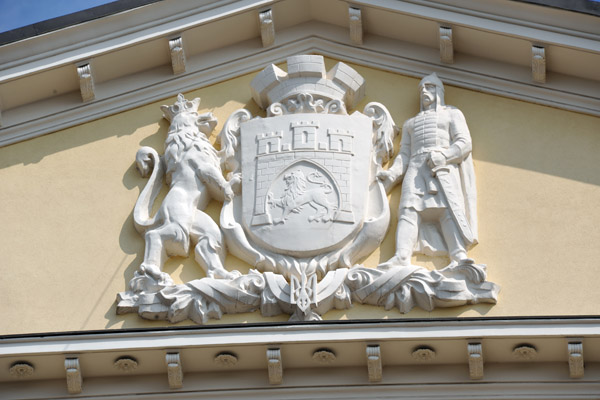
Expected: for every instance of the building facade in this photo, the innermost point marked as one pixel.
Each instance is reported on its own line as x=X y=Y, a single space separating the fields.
x=78 y=103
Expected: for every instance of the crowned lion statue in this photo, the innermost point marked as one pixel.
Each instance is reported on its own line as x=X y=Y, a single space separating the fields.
x=191 y=168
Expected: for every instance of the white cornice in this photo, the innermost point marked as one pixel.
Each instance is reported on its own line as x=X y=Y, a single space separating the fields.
x=313 y=333
x=125 y=34
x=39 y=89
x=505 y=374
x=510 y=19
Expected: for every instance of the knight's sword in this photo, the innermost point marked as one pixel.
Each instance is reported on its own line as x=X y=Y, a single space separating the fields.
x=442 y=173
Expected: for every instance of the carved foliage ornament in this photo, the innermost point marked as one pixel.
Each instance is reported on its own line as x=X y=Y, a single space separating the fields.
x=304 y=202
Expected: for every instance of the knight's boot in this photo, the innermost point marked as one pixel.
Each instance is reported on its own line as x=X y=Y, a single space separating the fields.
x=459 y=257
x=400 y=259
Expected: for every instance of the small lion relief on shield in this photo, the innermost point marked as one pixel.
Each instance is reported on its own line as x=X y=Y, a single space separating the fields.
x=304 y=201
x=301 y=190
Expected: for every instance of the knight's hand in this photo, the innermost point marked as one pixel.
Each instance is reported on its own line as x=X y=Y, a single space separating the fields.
x=388 y=178
x=383 y=175
x=436 y=159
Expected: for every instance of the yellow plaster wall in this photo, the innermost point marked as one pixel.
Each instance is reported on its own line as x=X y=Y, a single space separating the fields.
x=69 y=246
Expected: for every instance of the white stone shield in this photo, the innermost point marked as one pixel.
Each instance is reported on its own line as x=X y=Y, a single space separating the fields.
x=305 y=181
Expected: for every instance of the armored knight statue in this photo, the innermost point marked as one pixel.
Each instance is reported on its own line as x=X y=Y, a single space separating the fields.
x=437 y=212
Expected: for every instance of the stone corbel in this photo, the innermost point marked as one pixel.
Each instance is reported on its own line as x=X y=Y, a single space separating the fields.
x=74 y=378
x=538 y=64
x=475 y=352
x=374 y=363
x=446 y=45
x=356 y=28
x=86 y=82
x=275 y=366
x=174 y=370
x=576 y=368
x=267 y=27
x=177 y=55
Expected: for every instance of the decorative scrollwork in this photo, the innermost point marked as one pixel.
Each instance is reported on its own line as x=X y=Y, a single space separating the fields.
x=386 y=130
x=276 y=109
x=361 y=277
x=306 y=103
x=407 y=287
x=336 y=107
x=230 y=144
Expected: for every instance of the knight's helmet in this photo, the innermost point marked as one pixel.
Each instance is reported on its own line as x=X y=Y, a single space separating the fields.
x=439 y=89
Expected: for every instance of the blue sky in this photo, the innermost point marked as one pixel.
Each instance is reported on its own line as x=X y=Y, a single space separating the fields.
x=17 y=13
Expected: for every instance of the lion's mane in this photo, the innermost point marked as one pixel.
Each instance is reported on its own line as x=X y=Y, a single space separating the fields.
x=295 y=187
x=182 y=137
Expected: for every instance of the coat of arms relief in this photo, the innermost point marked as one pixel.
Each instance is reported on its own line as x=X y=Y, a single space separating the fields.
x=304 y=194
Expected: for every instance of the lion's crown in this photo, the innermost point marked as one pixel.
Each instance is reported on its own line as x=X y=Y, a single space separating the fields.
x=180 y=106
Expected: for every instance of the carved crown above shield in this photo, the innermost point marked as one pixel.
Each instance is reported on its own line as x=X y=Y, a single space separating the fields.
x=306 y=74
x=302 y=204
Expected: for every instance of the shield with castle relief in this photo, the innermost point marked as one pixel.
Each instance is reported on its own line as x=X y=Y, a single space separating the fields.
x=309 y=200
x=305 y=180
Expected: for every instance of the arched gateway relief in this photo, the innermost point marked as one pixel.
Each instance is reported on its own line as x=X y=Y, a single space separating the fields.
x=305 y=201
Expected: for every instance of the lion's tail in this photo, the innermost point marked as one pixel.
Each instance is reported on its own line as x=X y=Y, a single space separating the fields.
x=148 y=161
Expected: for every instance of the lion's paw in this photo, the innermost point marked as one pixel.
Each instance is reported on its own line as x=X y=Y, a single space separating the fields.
x=165 y=279
x=228 y=193
x=223 y=274
x=236 y=183
x=234 y=274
